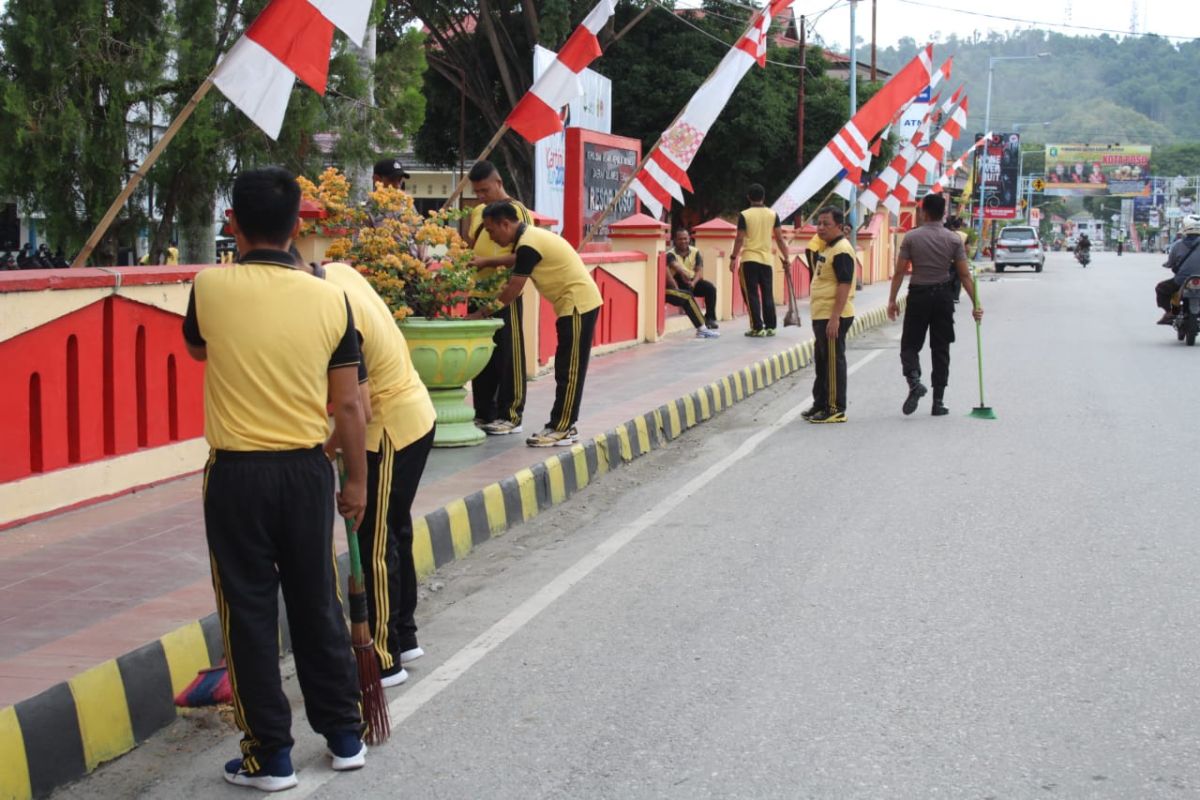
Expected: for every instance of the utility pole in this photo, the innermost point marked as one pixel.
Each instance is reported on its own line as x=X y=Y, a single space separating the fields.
x=800 y=98
x=852 y=217
x=874 y=8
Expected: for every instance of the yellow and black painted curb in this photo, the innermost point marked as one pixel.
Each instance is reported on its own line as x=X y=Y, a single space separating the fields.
x=66 y=731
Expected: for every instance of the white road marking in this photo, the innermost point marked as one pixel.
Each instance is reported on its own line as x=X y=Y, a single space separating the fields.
x=425 y=690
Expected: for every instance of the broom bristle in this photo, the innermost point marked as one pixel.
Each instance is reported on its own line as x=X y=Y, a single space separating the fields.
x=374 y=701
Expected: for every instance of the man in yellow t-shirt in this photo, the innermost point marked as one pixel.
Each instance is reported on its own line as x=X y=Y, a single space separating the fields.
x=758 y=226
x=277 y=347
x=831 y=304
x=399 y=438
x=499 y=390
x=685 y=282
x=560 y=275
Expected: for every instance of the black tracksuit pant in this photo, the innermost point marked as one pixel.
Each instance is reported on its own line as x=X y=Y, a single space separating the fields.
x=682 y=298
x=499 y=391
x=386 y=540
x=930 y=309
x=759 y=282
x=708 y=293
x=570 y=366
x=829 y=378
x=268 y=517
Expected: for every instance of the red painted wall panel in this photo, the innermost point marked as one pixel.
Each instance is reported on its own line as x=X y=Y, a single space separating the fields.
x=618 y=320
x=101 y=388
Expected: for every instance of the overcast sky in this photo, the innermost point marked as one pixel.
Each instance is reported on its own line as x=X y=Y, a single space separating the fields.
x=919 y=19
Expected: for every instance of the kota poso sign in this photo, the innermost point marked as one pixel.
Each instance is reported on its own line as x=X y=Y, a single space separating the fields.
x=1074 y=170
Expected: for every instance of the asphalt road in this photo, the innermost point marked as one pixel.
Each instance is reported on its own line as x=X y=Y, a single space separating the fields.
x=898 y=607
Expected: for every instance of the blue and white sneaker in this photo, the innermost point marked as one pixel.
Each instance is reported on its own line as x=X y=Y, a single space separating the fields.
x=707 y=333
x=275 y=775
x=348 y=750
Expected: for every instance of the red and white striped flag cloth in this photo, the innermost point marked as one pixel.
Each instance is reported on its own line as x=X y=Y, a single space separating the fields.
x=665 y=174
x=290 y=39
x=887 y=179
x=848 y=147
x=940 y=184
x=929 y=159
x=536 y=115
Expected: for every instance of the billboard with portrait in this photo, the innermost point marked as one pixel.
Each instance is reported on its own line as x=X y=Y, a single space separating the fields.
x=1079 y=170
x=999 y=170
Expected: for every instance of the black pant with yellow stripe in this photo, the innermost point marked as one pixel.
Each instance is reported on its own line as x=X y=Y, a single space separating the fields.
x=499 y=390
x=758 y=282
x=570 y=366
x=386 y=539
x=829 y=382
x=682 y=298
x=268 y=517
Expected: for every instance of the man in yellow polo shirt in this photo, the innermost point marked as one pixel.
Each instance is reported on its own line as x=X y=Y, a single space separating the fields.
x=685 y=270
x=757 y=227
x=562 y=278
x=278 y=346
x=499 y=391
x=400 y=432
x=831 y=304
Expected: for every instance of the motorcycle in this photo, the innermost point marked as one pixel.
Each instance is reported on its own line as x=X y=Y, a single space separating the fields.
x=1084 y=257
x=1187 y=313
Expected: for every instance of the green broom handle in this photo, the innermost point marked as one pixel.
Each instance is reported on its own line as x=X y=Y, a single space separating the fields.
x=978 y=335
x=356 y=570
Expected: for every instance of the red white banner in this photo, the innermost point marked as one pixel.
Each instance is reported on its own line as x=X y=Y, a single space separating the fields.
x=290 y=39
x=536 y=116
x=665 y=174
x=849 y=146
x=940 y=184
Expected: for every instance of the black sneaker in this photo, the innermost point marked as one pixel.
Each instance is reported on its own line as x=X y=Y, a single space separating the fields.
x=273 y=774
x=827 y=415
x=808 y=412
x=939 y=410
x=915 y=392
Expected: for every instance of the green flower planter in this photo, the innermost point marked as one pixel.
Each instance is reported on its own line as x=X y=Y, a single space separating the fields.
x=446 y=354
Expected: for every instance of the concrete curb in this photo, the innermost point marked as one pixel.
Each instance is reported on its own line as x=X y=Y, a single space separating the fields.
x=68 y=730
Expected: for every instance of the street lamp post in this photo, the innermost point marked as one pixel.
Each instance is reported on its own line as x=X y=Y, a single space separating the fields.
x=987 y=124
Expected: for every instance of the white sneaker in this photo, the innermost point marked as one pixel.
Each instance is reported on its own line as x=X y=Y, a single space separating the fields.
x=707 y=333
x=412 y=655
x=501 y=427
x=394 y=677
x=344 y=763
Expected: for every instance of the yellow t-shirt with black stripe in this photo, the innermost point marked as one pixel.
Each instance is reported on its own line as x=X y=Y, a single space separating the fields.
x=833 y=266
x=686 y=264
x=556 y=270
x=400 y=404
x=272 y=334
x=759 y=223
x=484 y=246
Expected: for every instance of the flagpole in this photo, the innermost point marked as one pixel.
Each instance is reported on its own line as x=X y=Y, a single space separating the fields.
x=642 y=164
x=487 y=151
x=107 y=220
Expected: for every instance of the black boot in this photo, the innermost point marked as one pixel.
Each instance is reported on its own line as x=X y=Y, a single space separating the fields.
x=916 y=390
x=939 y=408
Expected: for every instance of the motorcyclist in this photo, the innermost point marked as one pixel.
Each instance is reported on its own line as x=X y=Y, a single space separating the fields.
x=1184 y=262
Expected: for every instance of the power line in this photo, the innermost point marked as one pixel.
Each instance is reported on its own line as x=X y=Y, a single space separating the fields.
x=1040 y=22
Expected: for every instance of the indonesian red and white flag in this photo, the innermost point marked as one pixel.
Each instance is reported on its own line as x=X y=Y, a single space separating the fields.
x=929 y=159
x=940 y=184
x=887 y=179
x=290 y=39
x=849 y=146
x=536 y=115
x=665 y=173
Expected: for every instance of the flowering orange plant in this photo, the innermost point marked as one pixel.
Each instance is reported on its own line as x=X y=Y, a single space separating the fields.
x=332 y=191
x=419 y=264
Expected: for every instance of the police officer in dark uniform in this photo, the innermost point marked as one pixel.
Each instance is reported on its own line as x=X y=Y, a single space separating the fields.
x=929 y=249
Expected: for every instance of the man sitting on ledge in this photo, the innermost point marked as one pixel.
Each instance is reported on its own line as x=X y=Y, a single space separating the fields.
x=685 y=282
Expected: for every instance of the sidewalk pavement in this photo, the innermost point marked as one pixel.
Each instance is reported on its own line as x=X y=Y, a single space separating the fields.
x=107 y=611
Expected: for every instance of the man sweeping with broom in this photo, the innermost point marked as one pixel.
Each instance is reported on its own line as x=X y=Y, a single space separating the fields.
x=277 y=344
x=930 y=249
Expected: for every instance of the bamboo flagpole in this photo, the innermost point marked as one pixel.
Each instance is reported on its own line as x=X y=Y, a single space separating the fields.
x=161 y=145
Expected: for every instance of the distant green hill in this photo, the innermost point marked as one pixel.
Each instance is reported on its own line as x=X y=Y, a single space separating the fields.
x=1134 y=90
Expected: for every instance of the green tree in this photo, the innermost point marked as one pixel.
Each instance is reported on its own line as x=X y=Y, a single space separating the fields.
x=75 y=80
